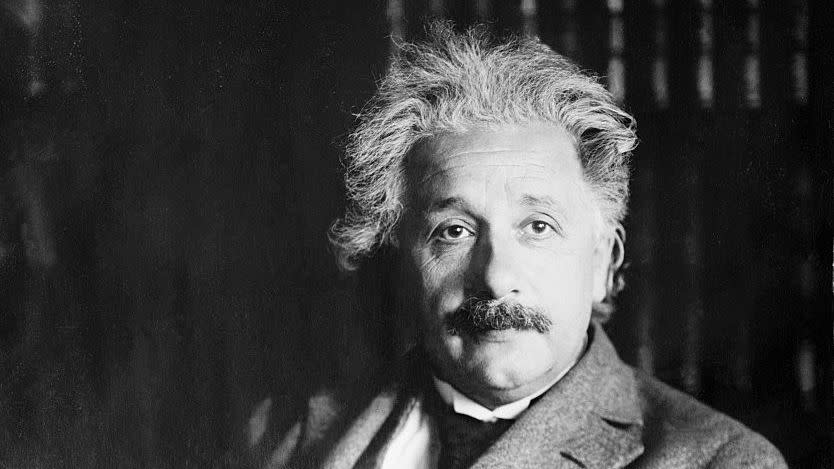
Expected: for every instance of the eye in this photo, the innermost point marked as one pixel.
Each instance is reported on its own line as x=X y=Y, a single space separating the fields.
x=453 y=232
x=539 y=228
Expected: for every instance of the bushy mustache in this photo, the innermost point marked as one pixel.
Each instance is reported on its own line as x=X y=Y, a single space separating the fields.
x=478 y=315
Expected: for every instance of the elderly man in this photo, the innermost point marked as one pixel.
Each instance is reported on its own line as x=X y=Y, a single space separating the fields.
x=495 y=177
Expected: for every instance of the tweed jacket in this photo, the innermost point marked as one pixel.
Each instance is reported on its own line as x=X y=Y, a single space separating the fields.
x=601 y=414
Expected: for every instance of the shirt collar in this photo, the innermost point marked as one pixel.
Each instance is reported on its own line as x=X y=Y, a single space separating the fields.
x=466 y=406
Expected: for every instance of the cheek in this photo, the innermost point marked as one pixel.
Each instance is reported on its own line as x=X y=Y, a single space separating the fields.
x=443 y=285
x=565 y=280
x=436 y=281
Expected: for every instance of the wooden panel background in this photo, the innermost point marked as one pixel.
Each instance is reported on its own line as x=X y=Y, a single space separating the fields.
x=169 y=170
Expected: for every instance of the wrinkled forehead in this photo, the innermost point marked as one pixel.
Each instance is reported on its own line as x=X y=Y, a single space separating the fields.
x=546 y=151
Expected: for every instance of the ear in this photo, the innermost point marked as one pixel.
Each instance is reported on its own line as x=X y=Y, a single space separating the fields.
x=608 y=257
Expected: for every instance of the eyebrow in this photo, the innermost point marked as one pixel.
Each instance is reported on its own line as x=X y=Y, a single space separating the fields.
x=529 y=200
x=447 y=203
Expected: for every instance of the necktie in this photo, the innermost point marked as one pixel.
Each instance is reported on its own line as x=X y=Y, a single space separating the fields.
x=462 y=438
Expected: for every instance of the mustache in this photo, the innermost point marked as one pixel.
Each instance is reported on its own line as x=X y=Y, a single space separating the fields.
x=478 y=315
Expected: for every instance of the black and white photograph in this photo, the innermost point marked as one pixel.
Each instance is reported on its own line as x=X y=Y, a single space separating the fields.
x=416 y=234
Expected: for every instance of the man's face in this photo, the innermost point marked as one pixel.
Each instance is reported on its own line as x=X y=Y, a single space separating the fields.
x=500 y=215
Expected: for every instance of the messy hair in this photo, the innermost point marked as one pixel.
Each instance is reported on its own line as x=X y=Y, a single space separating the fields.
x=454 y=82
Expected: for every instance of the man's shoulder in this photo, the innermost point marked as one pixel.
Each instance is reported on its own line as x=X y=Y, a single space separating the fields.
x=680 y=429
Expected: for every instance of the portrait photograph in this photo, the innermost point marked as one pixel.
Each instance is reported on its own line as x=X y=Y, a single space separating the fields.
x=416 y=234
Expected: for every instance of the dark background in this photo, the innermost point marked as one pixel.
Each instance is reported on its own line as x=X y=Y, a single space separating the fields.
x=168 y=172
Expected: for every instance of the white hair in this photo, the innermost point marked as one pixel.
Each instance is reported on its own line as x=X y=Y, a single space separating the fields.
x=455 y=82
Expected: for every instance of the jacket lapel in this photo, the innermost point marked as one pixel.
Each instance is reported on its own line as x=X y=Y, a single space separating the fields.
x=591 y=418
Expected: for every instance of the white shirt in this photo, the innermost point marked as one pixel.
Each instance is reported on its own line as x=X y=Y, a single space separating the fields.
x=411 y=446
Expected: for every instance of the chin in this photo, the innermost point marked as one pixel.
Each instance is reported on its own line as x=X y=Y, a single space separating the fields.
x=508 y=359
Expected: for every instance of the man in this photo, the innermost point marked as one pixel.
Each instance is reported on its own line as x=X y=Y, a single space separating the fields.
x=495 y=176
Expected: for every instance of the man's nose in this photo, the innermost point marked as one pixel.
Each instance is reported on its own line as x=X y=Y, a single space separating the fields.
x=495 y=267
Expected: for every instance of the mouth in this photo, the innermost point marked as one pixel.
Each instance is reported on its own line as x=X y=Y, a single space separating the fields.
x=491 y=336
x=495 y=336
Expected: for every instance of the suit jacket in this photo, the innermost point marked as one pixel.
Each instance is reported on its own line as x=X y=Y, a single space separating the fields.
x=601 y=414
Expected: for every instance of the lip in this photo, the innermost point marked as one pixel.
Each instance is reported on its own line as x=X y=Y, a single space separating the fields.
x=495 y=336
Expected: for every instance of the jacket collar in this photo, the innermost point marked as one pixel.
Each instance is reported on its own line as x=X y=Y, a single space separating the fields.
x=590 y=418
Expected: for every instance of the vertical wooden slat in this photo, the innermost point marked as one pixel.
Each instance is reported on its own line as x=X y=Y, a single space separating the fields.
x=645 y=185
x=690 y=180
x=616 y=45
x=726 y=137
x=705 y=60
x=806 y=353
x=806 y=272
x=483 y=10
x=752 y=72
x=437 y=8
x=528 y=10
x=819 y=108
x=30 y=13
x=395 y=12
x=593 y=26
x=799 y=60
x=567 y=23
x=660 y=65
